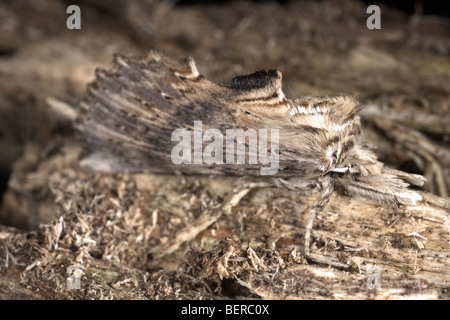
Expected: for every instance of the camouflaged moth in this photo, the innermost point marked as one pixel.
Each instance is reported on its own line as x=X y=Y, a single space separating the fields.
x=133 y=107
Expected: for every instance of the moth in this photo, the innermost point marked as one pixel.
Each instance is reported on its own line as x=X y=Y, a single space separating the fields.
x=132 y=109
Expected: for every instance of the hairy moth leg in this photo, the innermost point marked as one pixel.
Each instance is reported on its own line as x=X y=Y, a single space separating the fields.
x=384 y=188
x=318 y=205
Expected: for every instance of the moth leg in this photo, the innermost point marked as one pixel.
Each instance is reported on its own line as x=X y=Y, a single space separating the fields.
x=383 y=188
x=316 y=208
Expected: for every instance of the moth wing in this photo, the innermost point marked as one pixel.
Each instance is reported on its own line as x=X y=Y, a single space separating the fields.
x=131 y=109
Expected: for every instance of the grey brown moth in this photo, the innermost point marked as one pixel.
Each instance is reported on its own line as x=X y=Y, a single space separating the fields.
x=132 y=108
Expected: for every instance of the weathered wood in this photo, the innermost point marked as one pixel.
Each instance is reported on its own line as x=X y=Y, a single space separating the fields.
x=170 y=237
x=257 y=245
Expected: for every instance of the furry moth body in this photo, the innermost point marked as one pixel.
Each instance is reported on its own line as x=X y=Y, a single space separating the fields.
x=132 y=108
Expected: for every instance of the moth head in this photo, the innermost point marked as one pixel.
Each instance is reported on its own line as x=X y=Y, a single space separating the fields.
x=360 y=161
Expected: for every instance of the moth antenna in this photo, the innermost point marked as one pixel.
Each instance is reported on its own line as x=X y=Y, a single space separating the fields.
x=290 y=90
